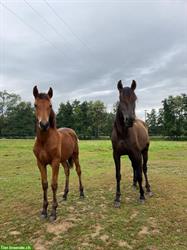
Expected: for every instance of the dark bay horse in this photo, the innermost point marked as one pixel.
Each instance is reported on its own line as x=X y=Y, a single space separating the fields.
x=53 y=146
x=130 y=137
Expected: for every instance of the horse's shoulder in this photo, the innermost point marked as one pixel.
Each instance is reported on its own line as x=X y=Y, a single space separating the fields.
x=140 y=124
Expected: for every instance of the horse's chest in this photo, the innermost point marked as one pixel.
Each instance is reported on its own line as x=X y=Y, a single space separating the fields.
x=123 y=147
x=45 y=154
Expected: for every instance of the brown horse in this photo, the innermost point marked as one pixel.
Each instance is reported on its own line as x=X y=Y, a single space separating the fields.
x=53 y=146
x=130 y=137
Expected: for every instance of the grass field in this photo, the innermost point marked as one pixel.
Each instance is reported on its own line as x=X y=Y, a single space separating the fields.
x=93 y=223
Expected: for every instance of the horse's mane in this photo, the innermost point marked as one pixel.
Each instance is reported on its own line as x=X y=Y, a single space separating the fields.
x=119 y=121
x=52 y=119
x=43 y=96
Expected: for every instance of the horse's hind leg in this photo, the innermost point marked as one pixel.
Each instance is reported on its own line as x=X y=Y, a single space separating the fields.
x=43 y=172
x=136 y=160
x=78 y=170
x=134 y=178
x=145 y=158
x=66 y=171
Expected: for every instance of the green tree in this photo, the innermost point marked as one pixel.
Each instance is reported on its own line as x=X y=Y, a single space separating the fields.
x=65 y=115
x=98 y=117
x=7 y=102
x=20 y=121
x=151 y=121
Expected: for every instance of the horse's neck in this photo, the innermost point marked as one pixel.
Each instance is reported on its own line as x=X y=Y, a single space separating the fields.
x=44 y=136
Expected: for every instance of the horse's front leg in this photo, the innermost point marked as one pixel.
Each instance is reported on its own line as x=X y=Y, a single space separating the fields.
x=54 y=185
x=43 y=172
x=118 y=179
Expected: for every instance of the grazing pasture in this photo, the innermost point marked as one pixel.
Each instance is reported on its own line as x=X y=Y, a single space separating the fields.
x=94 y=223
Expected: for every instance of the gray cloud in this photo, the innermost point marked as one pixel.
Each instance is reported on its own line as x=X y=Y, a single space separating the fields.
x=124 y=40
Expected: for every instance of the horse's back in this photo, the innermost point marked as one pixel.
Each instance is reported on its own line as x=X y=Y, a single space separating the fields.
x=68 y=131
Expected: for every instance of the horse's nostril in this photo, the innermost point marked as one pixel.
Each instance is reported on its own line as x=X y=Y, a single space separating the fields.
x=44 y=125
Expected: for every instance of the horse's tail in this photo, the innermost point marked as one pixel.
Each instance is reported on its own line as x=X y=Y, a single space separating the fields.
x=70 y=162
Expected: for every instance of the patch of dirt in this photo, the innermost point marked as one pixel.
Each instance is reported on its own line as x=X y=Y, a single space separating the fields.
x=85 y=244
x=123 y=243
x=59 y=228
x=73 y=219
x=152 y=248
x=71 y=208
x=155 y=231
x=134 y=214
x=127 y=199
x=14 y=233
x=153 y=224
x=98 y=228
x=104 y=237
x=39 y=245
x=144 y=231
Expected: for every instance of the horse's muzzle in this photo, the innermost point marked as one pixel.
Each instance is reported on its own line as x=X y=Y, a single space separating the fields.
x=44 y=126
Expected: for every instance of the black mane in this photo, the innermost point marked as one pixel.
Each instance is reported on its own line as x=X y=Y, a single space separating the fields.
x=43 y=96
x=52 y=119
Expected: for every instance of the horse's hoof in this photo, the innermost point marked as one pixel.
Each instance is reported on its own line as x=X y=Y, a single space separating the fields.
x=43 y=216
x=117 y=204
x=150 y=194
x=82 y=196
x=134 y=187
x=64 y=198
x=52 y=218
x=142 y=201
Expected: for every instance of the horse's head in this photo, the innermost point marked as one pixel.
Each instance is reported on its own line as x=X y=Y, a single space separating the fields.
x=43 y=108
x=127 y=99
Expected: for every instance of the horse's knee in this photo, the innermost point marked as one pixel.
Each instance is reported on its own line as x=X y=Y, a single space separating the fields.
x=45 y=185
x=118 y=176
x=54 y=186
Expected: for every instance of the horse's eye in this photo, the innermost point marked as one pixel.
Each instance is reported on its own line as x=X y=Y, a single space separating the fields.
x=35 y=105
x=50 y=106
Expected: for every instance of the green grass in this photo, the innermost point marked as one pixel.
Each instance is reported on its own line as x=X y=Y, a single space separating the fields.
x=94 y=223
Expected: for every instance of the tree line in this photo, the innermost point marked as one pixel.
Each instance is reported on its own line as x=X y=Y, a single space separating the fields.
x=171 y=119
x=89 y=119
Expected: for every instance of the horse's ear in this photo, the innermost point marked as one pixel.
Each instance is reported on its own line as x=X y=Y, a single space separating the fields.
x=133 y=85
x=50 y=92
x=35 y=91
x=120 y=85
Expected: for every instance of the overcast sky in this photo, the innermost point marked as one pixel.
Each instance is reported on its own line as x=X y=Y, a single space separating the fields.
x=82 y=48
